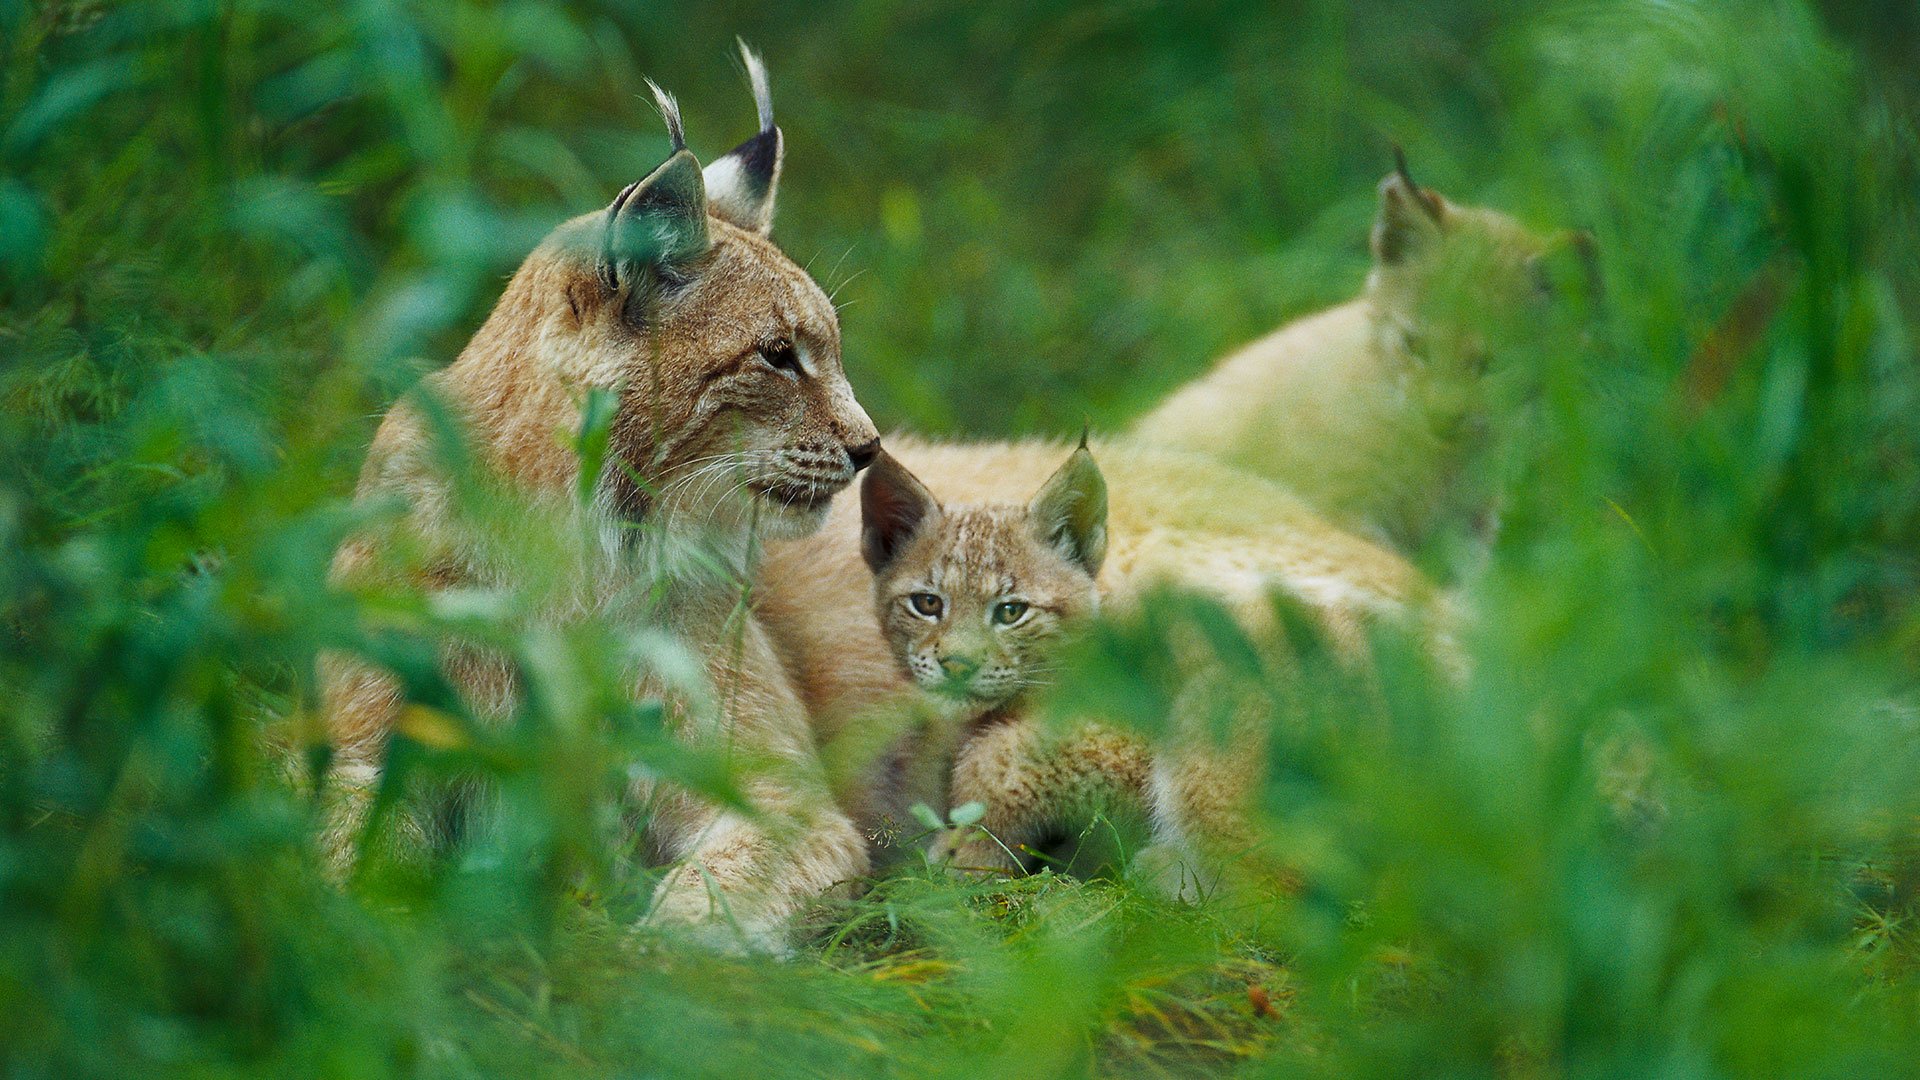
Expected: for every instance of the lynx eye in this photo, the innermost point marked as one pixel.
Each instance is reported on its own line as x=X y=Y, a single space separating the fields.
x=781 y=356
x=1008 y=612
x=927 y=604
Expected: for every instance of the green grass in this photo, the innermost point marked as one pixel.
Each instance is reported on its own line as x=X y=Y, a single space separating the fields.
x=1669 y=826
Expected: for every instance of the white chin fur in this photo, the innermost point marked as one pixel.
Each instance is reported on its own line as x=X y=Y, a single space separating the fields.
x=961 y=699
x=789 y=523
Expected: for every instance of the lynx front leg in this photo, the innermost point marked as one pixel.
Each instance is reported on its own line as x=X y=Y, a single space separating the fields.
x=1204 y=833
x=1201 y=792
x=743 y=879
x=1197 y=820
x=994 y=767
x=1033 y=783
x=360 y=705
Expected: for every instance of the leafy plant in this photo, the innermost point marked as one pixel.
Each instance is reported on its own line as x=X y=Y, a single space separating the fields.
x=1666 y=826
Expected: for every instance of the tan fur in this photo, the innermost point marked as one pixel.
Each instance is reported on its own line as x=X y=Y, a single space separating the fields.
x=973 y=598
x=944 y=579
x=1035 y=783
x=1173 y=517
x=730 y=448
x=1371 y=409
x=974 y=557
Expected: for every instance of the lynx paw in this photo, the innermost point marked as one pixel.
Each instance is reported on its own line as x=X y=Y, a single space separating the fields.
x=1166 y=870
x=688 y=905
x=971 y=850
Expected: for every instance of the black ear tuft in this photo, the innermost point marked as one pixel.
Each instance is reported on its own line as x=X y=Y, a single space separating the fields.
x=742 y=184
x=1588 y=250
x=1400 y=167
x=894 y=504
x=1409 y=214
x=670 y=112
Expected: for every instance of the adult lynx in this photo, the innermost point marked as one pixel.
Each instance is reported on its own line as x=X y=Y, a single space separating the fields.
x=733 y=423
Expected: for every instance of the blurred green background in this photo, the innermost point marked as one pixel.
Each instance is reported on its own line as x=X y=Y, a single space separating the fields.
x=232 y=232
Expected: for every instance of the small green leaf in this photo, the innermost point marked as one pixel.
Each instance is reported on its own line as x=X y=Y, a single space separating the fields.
x=924 y=815
x=968 y=813
x=595 y=434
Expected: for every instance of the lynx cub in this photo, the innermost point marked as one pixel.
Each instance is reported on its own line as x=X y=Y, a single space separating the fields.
x=1171 y=518
x=973 y=601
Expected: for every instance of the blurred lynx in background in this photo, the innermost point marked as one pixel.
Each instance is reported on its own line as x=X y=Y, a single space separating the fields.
x=1384 y=412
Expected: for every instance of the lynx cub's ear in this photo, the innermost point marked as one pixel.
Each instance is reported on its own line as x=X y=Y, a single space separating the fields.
x=1070 y=512
x=741 y=183
x=661 y=220
x=1410 y=215
x=893 y=506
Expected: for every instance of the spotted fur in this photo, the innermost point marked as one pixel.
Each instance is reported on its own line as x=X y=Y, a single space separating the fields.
x=1173 y=518
x=940 y=590
x=734 y=424
x=974 y=598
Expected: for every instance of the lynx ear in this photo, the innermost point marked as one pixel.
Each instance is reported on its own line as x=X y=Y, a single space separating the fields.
x=1410 y=215
x=661 y=220
x=1070 y=512
x=741 y=183
x=893 y=506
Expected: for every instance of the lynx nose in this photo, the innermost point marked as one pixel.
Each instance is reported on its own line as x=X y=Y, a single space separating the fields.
x=957 y=667
x=864 y=454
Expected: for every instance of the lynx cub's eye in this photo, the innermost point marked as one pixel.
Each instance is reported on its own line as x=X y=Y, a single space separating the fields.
x=780 y=356
x=927 y=604
x=1008 y=612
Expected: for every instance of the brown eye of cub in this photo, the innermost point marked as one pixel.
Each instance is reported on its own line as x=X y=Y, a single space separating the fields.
x=1008 y=612
x=926 y=604
x=780 y=356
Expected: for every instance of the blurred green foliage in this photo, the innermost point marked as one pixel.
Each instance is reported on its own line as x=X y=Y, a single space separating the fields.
x=1667 y=828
